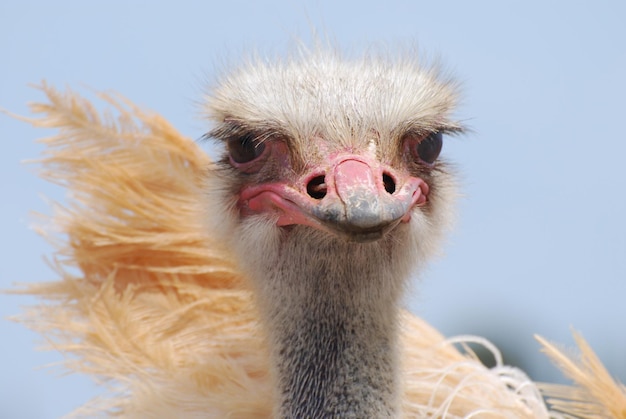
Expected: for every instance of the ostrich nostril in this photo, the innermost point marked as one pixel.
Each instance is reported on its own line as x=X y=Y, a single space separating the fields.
x=316 y=188
x=389 y=183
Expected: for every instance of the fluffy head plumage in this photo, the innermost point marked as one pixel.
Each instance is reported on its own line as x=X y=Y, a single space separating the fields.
x=321 y=94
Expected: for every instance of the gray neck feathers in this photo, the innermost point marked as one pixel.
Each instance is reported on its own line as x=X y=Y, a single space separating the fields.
x=330 y=309
x=336 y=361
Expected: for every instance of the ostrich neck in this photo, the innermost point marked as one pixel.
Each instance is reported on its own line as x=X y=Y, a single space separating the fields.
x=331 y=315
x=337 y=361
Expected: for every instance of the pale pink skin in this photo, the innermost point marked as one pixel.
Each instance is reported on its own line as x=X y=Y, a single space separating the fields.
x=355 y=201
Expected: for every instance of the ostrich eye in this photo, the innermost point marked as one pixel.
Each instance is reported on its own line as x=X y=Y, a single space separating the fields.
x=428 y=149
x=244 y=149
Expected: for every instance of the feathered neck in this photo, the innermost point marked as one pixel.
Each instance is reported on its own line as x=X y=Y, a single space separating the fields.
x=330 y=308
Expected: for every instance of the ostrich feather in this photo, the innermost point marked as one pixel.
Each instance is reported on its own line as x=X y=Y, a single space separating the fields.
x=595 y=393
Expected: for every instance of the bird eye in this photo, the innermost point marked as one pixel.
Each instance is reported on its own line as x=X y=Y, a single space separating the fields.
x=244 y=149
x=429 y=148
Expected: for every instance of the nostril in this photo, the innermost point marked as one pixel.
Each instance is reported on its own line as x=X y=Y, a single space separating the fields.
x=316 y=188
x=389 y=183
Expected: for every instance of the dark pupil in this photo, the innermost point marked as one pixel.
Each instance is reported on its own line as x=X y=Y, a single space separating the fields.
x=244 y=149
x=429 y=148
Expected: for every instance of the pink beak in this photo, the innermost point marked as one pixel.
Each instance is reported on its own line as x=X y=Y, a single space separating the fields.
x=354 y=196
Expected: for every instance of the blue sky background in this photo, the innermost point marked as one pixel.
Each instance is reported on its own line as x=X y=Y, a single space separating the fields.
x=540 y=245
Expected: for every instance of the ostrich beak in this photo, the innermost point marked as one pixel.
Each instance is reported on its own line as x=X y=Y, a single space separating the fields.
x=355 y=197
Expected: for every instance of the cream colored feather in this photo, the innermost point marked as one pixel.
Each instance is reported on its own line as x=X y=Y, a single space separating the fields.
x=595 y=394
x=149 y=304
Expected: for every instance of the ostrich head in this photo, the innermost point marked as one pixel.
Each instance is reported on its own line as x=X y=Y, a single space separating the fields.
x=331 y=191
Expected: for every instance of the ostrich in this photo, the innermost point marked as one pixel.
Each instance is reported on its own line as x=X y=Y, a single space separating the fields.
x=331 y=191
x=269 y=283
